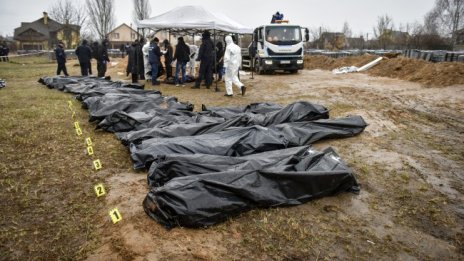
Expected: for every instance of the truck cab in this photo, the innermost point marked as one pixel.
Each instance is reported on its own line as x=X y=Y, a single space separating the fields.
x=276 y=47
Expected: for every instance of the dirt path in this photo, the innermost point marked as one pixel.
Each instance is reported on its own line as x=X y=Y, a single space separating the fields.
x=409 y=162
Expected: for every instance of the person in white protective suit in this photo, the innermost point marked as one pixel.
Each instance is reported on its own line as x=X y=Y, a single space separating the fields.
x=146 y=62
x=193 y=57
x=232 y=61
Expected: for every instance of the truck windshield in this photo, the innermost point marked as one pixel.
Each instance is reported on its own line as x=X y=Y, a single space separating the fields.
x=283 y=35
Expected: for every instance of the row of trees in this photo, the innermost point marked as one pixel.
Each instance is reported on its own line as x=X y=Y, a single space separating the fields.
x=95 y=17
x=439 y=30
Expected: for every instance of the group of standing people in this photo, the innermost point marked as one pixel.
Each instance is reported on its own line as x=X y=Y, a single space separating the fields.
x=227 y=61
x=85 y=53
x=4 y=51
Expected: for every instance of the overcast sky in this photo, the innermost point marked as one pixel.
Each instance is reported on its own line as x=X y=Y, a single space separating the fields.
x=361 y=15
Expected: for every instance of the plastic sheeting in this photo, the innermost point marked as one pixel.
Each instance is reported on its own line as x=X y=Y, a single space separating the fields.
x=246 y=140
x=207 y=166
x=213 y=196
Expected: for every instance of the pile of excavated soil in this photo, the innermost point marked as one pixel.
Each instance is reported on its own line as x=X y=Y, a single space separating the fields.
x=427 y=73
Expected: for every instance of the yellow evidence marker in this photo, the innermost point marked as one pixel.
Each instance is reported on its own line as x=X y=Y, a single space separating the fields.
x=88 y=141
x=76 y=125
x=90 y=150
x=115 y=215
x=99 y=190
x=70 y=104
x=78 y=131
x=73 y=115
x=97 y=164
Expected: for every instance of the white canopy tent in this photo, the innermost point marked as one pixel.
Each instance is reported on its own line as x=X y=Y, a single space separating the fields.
x=193 y=19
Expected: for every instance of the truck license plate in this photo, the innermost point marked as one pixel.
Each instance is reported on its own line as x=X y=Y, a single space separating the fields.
x=284 y=62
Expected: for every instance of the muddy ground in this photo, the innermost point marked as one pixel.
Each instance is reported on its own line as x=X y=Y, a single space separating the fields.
x=409 y=162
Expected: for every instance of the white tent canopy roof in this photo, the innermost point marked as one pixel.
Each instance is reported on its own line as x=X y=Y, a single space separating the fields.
x=193 y=19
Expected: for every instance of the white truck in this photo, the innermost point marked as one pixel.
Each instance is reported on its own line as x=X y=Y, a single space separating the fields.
x=276 y=47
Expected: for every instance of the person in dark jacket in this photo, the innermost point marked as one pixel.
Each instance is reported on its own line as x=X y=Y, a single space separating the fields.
x=84 y=53
x=139 y=54
x=182 y=56
x=132 y=62
x=102 y=58
x=219 y=60
x=61 y=59
x=206 y=58
x=2 y=52
x=154 y=55
x=167 y=58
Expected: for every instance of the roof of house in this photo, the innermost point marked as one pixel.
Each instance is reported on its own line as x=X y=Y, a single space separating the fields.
x=121 y=25
x=42 y=30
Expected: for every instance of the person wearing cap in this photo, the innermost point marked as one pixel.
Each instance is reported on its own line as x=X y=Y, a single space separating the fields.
x=206 y=58
x=84 y=54
x=232 y=61
x=61 y=59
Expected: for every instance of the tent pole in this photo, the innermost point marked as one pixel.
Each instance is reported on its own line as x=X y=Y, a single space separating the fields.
x=252 y=59
x=215 y=59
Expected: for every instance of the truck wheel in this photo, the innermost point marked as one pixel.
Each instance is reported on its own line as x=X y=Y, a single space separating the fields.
x=258 y=68
x=293 y=71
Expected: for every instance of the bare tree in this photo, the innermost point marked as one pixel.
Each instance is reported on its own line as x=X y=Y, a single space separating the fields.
x=142 y=9
x=68 y=13
x=101 y=16
x=383 y=30
x=448 y=15
x=347 y=30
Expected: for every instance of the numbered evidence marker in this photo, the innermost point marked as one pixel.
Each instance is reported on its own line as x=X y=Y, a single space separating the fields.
x=78 y=131
x=70 y=104
x=90 y=150
x=97 y=164
x=99 y=190
x=88 y=141
x=115 y=215
x=76 y=125
x=73 y=115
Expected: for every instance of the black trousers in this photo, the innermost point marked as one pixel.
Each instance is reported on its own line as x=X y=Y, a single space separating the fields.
x=101 y=68
x=168 y=69
x=206 y=72
x=90 y=67
x=134 y=78
x=84 y=68
x=62 y=67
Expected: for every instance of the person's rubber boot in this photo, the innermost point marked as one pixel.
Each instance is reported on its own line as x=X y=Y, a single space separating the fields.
x=243 y=88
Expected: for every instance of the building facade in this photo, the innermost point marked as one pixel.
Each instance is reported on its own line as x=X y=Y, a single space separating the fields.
x=45 y=33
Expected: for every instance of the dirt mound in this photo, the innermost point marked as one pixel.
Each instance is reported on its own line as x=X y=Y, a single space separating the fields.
x=429 y=74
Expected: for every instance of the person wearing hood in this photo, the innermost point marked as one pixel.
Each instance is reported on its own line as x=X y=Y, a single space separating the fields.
x=206 y=58
x=61 y=59
x=232 y=61
x=84 y=54
x=132 y=62
x=193 y=58
x=102 y=58
x=146 y=62
x=167 y=58
x=139 y=54
x=182 y=56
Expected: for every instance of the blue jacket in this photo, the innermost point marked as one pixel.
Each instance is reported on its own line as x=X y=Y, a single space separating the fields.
x=154 y=53
x=60 y=55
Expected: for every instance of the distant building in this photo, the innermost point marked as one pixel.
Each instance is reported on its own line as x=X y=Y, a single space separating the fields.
x=459 y=40
x=355 y=43
x=45 y=33
x=333 y=40
x=121 y=35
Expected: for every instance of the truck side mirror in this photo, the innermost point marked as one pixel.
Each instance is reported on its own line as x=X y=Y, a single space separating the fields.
x=306 y=35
